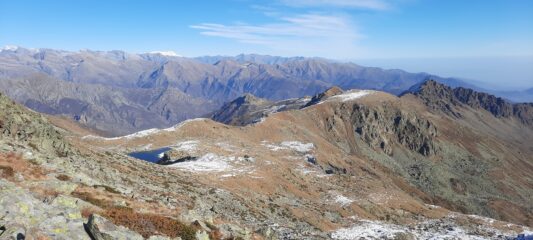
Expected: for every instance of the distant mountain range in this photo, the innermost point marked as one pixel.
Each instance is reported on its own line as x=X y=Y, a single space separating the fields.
x=433 y=163
x=119 y=93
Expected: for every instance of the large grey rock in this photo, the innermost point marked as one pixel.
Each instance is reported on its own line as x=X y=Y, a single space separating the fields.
x=21 y=213
x=103 y=229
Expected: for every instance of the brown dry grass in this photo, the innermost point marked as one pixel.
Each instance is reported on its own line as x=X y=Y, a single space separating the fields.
x=149 y=224
x=12 y=163
x=44 y=194
x=512 y=212
x=91 y=198
x=146 y=224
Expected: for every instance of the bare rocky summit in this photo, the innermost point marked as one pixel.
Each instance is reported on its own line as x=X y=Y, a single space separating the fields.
x=445 y=98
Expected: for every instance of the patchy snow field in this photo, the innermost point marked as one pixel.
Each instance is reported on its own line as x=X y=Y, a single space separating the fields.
x=293 y=145
x=145 y=133
x=187 y=146
x=298 y=146
x=368 y=230
x=207 y=163
x=351 y=95
x=342 y=200
x=211 y=162
x=430 y=229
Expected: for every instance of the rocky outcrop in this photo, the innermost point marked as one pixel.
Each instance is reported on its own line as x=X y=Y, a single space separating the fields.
x=30 y=128
x=383 y=127
x=103 y=229
x=241 y=111
x=324 y=95
x=22 y=215
x=443 y=98
x=175 y=156
x=524 y=112
x=249 y=109
x=495 y=105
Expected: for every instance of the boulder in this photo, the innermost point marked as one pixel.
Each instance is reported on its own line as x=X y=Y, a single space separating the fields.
x=103 y=229
x=175 y=156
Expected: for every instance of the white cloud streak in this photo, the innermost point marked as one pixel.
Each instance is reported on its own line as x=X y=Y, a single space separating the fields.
x=365 y=4
x=306 y=34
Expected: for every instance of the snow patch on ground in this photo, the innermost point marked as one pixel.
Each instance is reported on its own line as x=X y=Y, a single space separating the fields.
x=304 y=100
x=348 y=96
x=368 y=229
x=428 y=229
x=298 y=146
x=342 y=200
x=212 y=162
x=432 y=206
x=207 y=163
x=293 y=145
x=274 y=109
x=351 y=95
x=187 y=146
x=227 y=147
x=145 y=133
x=272 y=147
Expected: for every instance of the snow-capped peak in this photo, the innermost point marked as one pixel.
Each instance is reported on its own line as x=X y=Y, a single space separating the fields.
x=166 y=53
x=10 y=48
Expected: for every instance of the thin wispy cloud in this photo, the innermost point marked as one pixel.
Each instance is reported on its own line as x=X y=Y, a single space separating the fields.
x=305 y=34
x=365 y=4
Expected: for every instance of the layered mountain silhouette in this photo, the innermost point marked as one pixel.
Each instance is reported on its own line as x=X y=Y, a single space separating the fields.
x=119 y=93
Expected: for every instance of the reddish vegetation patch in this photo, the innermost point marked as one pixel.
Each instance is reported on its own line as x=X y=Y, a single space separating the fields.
x=44 y=193
x=146 y=224
x=149 y=224
x=453 y=206
x=63 y=177
x=12 y=163
x=511 y=212
x=6 y=172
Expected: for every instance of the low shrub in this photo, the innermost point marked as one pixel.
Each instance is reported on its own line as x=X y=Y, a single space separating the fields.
x=6 y=172
x=63 y=177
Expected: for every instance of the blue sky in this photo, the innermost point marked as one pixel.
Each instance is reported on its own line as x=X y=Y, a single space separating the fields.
x=417 y=35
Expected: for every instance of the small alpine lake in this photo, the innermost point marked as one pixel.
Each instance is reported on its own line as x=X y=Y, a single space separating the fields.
x=150 y=156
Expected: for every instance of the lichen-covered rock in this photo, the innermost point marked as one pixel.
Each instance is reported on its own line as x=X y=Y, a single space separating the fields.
x=31 y=128
x=233 y=231
x=22 y=213
x=202 y=235
x=103 y=229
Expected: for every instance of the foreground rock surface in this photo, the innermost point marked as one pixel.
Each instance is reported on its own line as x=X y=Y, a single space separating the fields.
x=102 y=229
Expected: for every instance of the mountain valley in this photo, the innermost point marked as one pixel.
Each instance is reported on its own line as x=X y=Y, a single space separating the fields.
x=119 y=93
x=433 y=163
